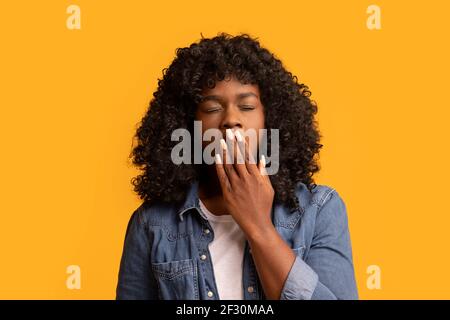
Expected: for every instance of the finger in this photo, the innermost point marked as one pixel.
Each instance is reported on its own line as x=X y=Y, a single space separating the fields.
x=221 y=174
x=263 y=170
x=262 y=165
x=228 y=166
x=231 y=145
x=240 y=163
x=250 y=162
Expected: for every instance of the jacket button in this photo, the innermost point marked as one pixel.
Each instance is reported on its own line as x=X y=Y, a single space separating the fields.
x=250 y=289
x=203 y=257
x=210 y=294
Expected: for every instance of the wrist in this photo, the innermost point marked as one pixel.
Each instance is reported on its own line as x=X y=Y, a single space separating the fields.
x=261 y=233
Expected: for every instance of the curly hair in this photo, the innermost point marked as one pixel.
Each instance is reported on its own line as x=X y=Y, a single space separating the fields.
x=287 y=107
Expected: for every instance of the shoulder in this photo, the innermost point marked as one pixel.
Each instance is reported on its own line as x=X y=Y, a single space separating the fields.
x=317 y=196
x=324 y=201
x=154 y=214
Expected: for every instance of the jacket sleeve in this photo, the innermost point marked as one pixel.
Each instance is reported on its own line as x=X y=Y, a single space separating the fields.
x=327 y=273
x=135 y=279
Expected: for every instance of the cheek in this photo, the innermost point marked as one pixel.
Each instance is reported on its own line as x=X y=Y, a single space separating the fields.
x=254 y=144
x=206 y=125
x=257 y=121
x=260 y=125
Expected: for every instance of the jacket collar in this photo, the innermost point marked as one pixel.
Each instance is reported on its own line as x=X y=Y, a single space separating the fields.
x=191 y=201
x=281 y=216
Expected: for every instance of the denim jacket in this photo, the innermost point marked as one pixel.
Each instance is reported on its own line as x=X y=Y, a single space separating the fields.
x=165 y=252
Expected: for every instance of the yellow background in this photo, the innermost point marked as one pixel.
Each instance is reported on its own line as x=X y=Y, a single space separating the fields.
x=71 y=99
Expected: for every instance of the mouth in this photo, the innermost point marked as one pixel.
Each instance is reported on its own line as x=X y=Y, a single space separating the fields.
x=224 y=133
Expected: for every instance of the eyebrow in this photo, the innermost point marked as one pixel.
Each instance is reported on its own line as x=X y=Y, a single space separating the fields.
x=219 y=98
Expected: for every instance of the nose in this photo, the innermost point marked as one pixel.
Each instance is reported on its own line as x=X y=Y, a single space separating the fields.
x=231 y=119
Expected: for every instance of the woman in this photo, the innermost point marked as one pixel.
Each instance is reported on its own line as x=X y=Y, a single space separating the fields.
x=229 y=230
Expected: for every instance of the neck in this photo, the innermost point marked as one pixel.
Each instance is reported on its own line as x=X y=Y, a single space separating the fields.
x=209 y=185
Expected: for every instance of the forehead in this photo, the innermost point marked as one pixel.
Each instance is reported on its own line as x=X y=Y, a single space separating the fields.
x=230 y=87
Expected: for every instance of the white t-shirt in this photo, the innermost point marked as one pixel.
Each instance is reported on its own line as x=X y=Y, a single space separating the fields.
x=227 y=254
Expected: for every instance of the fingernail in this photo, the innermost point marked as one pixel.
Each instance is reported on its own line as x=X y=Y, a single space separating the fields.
x=230 y=134
x=263 y=161
x=218 y=159
x=223 y=144
x=238 y=136
x=263 y=165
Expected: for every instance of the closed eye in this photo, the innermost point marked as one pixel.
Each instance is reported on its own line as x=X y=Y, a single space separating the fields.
x=212 y=110
x=247 y=107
